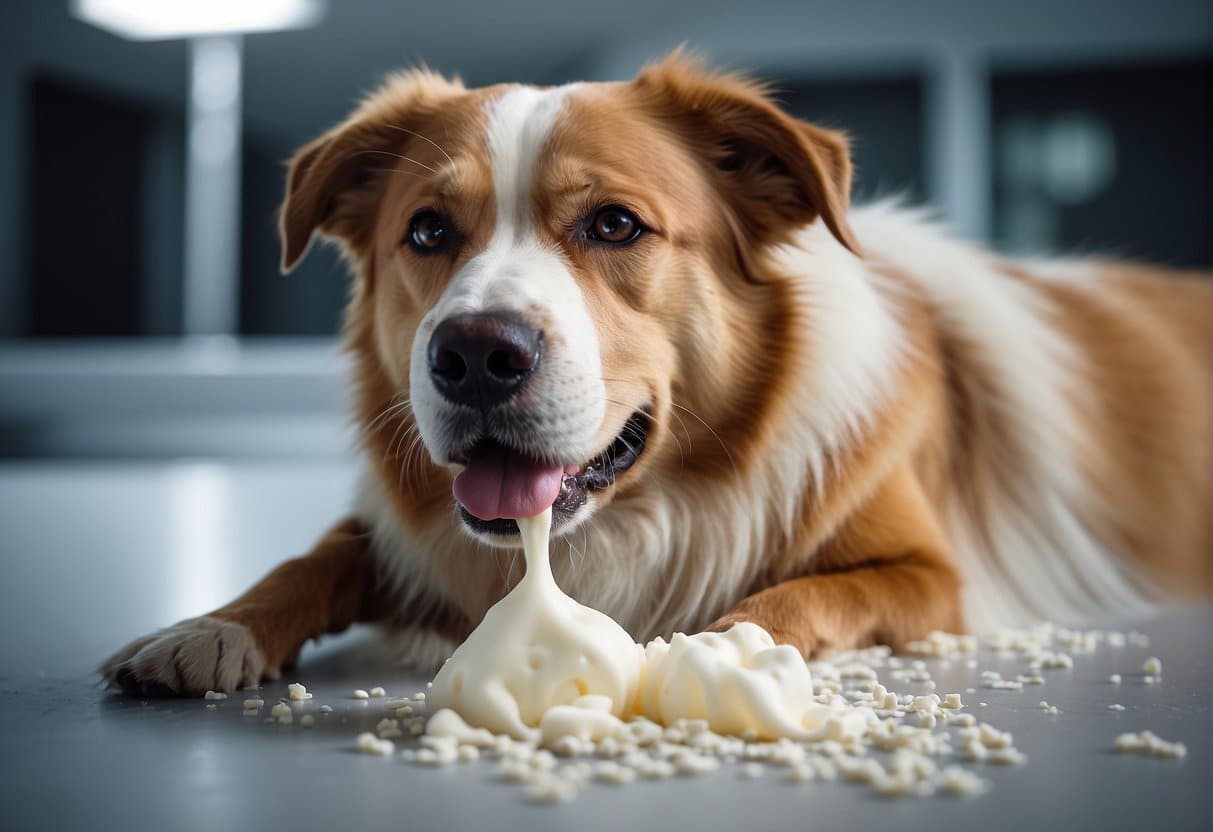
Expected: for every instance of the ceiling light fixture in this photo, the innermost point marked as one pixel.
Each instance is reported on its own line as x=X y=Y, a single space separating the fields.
x=170 y=19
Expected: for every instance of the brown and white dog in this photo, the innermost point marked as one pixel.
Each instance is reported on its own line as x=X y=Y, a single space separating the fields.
x=649 y=303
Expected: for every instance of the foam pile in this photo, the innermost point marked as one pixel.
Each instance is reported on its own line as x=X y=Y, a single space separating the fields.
x=543 y=667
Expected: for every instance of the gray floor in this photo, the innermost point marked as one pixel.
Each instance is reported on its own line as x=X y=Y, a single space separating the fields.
x=97 y=554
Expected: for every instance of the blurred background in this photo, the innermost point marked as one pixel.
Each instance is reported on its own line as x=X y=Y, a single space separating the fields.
x=142 y=314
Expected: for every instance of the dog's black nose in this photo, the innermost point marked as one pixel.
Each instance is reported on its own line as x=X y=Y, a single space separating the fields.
x=481 y=360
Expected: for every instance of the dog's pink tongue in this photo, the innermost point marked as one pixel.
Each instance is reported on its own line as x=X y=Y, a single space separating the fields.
x=500 y=483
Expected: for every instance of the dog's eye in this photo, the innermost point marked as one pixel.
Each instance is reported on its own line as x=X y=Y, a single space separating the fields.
x=429 y=232
x=614 y=224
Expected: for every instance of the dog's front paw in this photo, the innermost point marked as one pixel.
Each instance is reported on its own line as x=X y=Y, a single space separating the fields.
x=802 y=641
x=188 y=659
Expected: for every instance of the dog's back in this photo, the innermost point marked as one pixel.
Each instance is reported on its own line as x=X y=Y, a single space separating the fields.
x=1075 y=464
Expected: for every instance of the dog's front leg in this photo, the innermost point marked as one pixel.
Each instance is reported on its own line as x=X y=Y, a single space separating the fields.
x=885 y=577
x=252 y=638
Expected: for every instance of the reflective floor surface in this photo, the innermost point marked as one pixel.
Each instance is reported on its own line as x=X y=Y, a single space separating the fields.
x=95 y=554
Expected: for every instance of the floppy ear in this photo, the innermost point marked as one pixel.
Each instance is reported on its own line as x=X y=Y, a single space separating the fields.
x=333 y=184
x=778 y=172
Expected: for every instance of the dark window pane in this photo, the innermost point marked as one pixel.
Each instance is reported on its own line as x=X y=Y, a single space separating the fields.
x=85 y=268
x=884 y=119
x=1115 y=160
x=310 y=300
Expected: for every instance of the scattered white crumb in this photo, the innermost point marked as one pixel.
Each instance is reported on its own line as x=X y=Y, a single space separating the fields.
x=1116 y=707
x=282 y=713
x=1114 y=678
x=692 y=763
x=548 y=789
x=326 y=709
x=437 y=757
x=297 y=692
x=959 y=782
x=751 y=771
x=612 y=772
x=215 y=696
x=1007 y=757
x=368 y=743
x=802 y=773
x=376 y=693
x=361 y=694
x=1149 y=743
x=1152 y=666
x=902 y=752
x=254 y=704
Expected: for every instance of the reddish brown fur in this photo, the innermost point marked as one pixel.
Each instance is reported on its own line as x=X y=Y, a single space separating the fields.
x=1146 y=336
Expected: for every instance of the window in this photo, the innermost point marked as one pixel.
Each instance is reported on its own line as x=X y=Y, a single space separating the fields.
x=1114 y=160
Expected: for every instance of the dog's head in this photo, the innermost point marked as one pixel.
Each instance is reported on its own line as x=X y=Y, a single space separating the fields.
x=564 y=293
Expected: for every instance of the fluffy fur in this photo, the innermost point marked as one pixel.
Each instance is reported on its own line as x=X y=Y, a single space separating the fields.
x=859 y=428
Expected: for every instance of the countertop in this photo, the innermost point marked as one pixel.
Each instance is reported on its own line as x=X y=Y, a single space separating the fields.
x=98 y=553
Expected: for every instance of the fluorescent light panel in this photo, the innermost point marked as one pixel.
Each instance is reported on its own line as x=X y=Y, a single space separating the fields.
x=169 y=19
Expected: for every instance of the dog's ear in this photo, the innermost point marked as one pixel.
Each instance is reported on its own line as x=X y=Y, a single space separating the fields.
x=334 y=181
x=778 y=172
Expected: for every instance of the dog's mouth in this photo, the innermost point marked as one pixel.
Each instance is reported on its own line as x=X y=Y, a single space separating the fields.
x=499 y=482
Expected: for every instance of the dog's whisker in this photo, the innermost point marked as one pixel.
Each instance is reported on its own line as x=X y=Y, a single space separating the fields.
x=403 y=467
x=711 y=430
x=417 y=454
x=509 y=575
x=686 y=431
x=413 y=454
x=682 y=453
x=404 y=426
x=497 y=558
x=424 y=138
x=400 y=170
x=401 y=157
x=411 y=435
x=398 y=404
x=397 y=436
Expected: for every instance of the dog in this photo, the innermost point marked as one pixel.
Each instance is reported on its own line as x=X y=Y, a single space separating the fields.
x=649 y=305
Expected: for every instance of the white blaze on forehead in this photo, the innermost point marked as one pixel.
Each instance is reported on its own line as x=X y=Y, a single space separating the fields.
x=520 y=123
x=516 y=270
